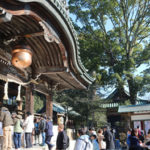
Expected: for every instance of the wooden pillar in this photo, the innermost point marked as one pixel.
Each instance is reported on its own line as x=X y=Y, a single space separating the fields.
x=29 y=105
x=49 y=106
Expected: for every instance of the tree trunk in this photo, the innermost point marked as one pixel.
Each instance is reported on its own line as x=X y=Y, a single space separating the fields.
x=133 y=98
x=133 y=91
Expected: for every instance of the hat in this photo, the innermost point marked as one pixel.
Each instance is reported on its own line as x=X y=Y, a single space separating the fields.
x=93 y=135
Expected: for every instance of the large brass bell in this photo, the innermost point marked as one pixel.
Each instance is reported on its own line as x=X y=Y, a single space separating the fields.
x=21 y=56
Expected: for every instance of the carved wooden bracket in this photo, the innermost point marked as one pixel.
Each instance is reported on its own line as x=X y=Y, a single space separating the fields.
x=49 y=37
x=4 y=16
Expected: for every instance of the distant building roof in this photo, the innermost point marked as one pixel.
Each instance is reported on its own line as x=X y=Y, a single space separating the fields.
x=134 y=108
x=120 y=95
x=59 y=109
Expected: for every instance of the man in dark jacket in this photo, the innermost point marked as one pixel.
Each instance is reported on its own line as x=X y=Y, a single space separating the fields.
x=42 y=126
x=62 y=138
x=7 y=122
x=109 y=139
x=49 y=132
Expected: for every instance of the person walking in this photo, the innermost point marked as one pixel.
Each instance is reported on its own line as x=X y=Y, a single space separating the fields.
x=100 y=136
x=28 y=128
x=108 y=137
x=49 y=132
x=7 y=122
x=83 y=142
x=17 y=131
x=42 y=126
x=62 y=142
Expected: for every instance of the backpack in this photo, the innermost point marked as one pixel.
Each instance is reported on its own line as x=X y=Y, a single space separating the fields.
x=87 y=144
x=67 y=140
x=42 y=125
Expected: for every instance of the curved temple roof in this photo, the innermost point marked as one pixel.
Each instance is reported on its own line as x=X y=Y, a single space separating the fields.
x=45 y=26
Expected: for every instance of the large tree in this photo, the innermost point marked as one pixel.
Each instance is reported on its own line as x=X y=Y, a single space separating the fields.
x=82 y=102
x=114 y=37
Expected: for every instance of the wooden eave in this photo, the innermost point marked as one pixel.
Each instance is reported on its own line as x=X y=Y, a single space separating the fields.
x=46 y=27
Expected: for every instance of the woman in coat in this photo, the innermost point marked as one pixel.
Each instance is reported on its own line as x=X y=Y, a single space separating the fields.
x=28 y=128
x=100 y=136
x=17 y=131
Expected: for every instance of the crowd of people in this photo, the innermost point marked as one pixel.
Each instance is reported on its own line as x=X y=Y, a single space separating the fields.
x=136 y=140
x=91 y=140
x=19 y=133
x=105 y=139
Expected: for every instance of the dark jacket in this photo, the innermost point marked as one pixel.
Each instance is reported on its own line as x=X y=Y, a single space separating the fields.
x=134 y=143
x=62 y=140
x=109 y=140
x=5 y=117
x=42 y=125
x=49 y=129
x=141 y=138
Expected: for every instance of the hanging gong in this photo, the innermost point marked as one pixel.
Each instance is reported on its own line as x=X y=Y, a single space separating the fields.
x=21 y=56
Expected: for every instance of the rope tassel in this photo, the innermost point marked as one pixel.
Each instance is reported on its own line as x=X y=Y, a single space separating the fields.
x=6 y=91
x=19 y=93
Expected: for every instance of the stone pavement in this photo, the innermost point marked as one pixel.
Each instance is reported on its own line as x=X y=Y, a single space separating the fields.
x=34 y=148
x=53 y=141
x=71 y=147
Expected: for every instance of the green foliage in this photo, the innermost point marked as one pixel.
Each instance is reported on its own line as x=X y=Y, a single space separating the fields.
x=101 y=119
x=39 y=102
x=85 y=103
x=127 y=102
x=114 y=53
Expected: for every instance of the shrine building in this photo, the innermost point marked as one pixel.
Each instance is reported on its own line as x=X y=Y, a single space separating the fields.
x=39 y=51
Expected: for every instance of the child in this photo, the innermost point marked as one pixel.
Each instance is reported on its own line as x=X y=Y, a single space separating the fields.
x=94 y=142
